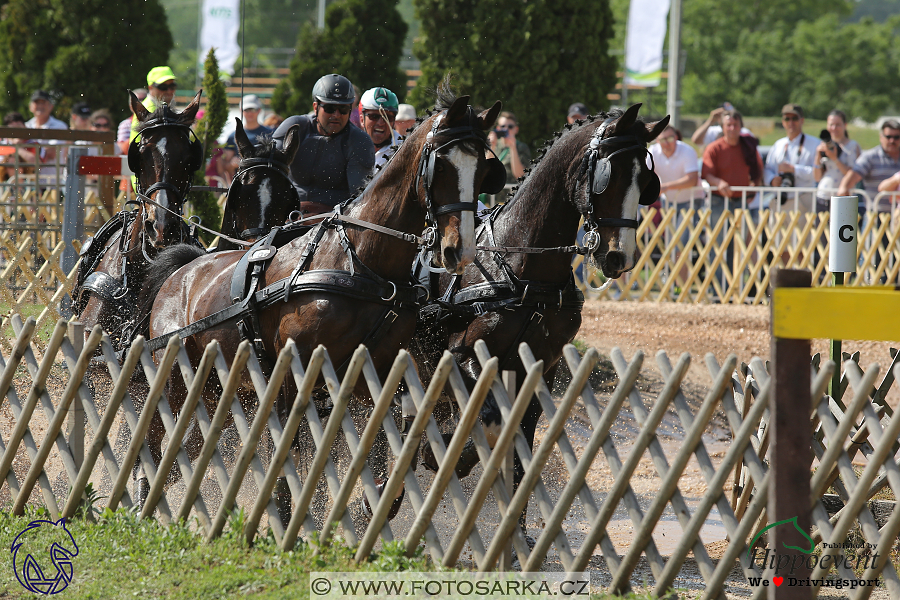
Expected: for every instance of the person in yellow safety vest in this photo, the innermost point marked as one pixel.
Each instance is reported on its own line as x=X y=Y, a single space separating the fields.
x=161 y=85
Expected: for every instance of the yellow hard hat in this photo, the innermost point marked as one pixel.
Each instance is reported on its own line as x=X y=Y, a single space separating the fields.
x=159 y=74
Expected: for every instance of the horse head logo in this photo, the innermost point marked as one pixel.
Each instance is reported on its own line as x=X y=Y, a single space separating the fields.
x=32 y=557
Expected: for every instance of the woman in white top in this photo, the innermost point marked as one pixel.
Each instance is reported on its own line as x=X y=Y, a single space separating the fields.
x=835 y=159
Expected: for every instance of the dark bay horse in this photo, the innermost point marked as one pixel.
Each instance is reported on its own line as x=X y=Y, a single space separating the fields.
x=597 y=170
x=261 y=195
x=164 y=158
x=354 y=283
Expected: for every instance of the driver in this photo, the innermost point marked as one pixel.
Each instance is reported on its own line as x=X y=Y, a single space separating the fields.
x=378 y=111
x=334 y=157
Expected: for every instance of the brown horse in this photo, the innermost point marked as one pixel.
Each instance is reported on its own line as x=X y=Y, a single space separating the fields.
x=506 y=298
x=262 y=194
x=433 y=178
x=164 y=158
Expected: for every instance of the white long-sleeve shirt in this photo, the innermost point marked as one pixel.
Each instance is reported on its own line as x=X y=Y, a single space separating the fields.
x=802 y=157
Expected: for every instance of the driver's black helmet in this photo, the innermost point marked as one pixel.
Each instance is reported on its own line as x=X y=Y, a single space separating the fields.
x=333 y=89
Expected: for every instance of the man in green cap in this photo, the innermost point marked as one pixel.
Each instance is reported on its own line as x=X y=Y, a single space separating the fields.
x=378 y=111
x=161 y=85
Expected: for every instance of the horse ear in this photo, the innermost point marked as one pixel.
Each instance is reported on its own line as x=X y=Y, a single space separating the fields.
x=624 y=123
x=140 y=111
x=245 y=148
x=291 y=143
x=457 y=109
x=487 y=118
x=190 y=112
x=654 y=129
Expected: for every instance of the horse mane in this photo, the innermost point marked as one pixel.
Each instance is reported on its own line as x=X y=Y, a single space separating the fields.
x=165 y=114
x=155 y=274
x=265 y=144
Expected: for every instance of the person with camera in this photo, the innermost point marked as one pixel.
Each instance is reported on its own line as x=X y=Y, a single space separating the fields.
x=514 y=154
x=791 y=161
x=836 y=156
x=334 y=157
x=711 y=129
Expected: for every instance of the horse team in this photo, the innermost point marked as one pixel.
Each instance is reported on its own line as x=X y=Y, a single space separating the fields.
x=347 y=279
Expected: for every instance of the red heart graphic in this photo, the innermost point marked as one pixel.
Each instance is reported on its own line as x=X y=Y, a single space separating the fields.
x=777 y=581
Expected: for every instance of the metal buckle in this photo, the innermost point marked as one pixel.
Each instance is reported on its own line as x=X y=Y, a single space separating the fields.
x=591 y=240
x=393 y=294
x=429 y=237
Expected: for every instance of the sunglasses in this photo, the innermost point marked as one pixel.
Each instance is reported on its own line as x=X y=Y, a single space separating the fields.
x=375 y=117
x=101 y=124
x=893 y=138
x=165 y=87
x=668 y=138
x=790 y=118
x=344 y=109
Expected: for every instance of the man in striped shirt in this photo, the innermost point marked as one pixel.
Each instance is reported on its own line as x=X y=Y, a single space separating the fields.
x=875 y=165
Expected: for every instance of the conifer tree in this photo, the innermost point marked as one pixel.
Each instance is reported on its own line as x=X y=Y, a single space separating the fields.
x=362 y=40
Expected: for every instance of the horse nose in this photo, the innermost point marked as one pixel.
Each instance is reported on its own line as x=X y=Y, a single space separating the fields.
x=614 y=263
x=153 y=230
x=451 y=259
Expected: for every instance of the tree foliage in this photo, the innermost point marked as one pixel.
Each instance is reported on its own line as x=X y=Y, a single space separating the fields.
x=89 y=50
x=537 y=57
x=362 y=40
x=203 y=204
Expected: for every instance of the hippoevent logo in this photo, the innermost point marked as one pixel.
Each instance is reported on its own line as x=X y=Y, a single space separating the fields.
x=40 y=567
x=785 y=564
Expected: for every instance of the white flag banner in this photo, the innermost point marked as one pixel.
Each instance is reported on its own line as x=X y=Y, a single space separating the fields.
x=644 y=43
x=221 y=23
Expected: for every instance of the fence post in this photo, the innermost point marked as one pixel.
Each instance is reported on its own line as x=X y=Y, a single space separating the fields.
x=73 y=218
x=508 y=471
x=791 y=449
x=76 y=408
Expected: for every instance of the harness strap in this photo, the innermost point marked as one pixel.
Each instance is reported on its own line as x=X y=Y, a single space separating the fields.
x=401 y=235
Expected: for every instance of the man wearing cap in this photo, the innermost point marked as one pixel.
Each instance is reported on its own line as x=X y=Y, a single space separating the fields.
x=577 y=112
x=80 y=119
x=377 y=114
x=792 y=160
x=406 y=119
x=334 y=158
x=250 y=109
x=161 y=88
x=41 y=106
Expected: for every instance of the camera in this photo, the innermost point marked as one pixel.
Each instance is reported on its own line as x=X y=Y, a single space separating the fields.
x=787 y=179
x=825 y=136
x=500 y=133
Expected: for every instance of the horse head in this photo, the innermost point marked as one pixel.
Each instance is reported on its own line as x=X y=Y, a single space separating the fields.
x=454 y=168
x=262 y=194
x=164 y=158
x=614 y=178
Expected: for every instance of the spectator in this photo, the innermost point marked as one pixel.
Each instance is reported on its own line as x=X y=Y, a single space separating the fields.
x=711 y=129
x=378 y=112
x=891 y=184
x=80 y=119
x=676 y=165
x=835 y=159
x=515 y=155
x=577 y=112
x=161 y=87
x=354 y=114
x=334 y=158
x=876 y=165
x=790 y=161
x=124 y=130
x=41 y=107
x=406 y=119
x=101 y=120
x=273 y=121
x=12 y=146
x=731 y=161
x=229 y=159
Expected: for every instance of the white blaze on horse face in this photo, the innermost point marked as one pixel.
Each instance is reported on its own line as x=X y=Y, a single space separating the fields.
x=265 y=199
x=627 y=238
x=466 y=167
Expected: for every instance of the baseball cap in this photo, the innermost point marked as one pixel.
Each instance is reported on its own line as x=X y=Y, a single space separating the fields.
x=81 y=109
x=796 y=109
x=159 y=74
x=379 y=97
x=251 y=101
x=407 y=112
x=41 y=95
x=578 y=109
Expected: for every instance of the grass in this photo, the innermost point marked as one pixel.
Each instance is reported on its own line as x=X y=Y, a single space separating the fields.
x=122 y=557
x=41 y=334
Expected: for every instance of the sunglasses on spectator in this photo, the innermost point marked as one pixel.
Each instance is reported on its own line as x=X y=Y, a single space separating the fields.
x=375 y=117
x=893 y=138
x=668 y=138
x=165 y=87
x=101 y=124
x=790 y=118
x=344 y=109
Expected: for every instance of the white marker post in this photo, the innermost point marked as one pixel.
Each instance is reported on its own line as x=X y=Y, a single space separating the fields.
x=842 y=259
